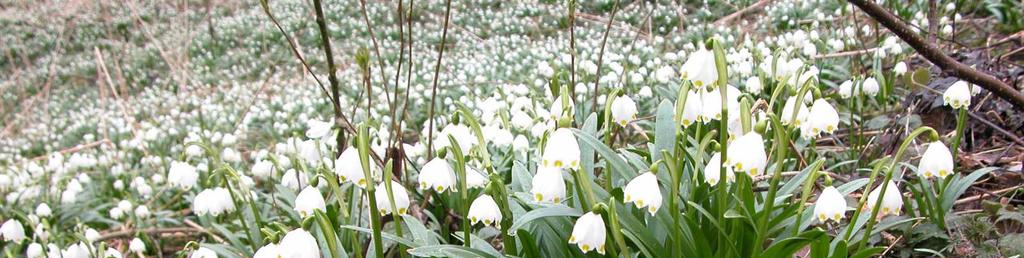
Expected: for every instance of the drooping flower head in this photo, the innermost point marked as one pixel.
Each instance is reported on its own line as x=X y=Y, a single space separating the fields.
x=437 y=174
x=831 y=205
x=623 y=110
x=936 y=161
x=958 y=95
x=561 y=150
x=589 y=233
x=747 y=154
x=485 y=210
x=643 y=191
x=548 y=185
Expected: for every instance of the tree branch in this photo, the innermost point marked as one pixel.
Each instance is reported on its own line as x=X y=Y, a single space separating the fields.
x=934 y=55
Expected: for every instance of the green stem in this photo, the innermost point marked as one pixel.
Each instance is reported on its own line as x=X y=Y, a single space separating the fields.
x=460 y=171
x=394 y=208
x=364 y=159
x=781 y=140
x=723 y=130
x=888 y=176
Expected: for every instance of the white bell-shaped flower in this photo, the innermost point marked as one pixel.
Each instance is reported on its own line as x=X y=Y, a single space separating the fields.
x=557 y=110
x=43 y=210
x=270 y=250
x=548 y=185
x=700 y=68
x=623 y=110
x=34 y=250
x=462 y=134
x=589 y=233
x=350 y=169
x=317 y=129
x=263 y=169
x=474 y=178
x=308 y=201
x=826 y=118
x=294 y=180
x=900 y=68
x=846 y=89
x=870 y=87
x=401 y=198
x=202 y=252
x=485 y=210
x=787 y=112
x=892 y=202
x=12 y=231
x=692 y=109
x=299 y=243
x=213 y=202
x=753 y=85
x=182 y=175
x=561 y=150
x=936 y=160
x=747 y=154
x=713 y=173
x=137 y=246
x=643 y=191
x=958 y=95
x=831 y=205
x=711 y=106
x=437 y=174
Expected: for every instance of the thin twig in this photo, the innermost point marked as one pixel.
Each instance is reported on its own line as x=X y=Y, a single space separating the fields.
x=437 y=71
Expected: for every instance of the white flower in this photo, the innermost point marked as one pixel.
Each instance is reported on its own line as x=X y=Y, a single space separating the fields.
x=900 y=68
x=270 y=250
x=787 y=112
x=623 y=110
x=958 y=95
x=645 y=92
x=263 y=169
x=643 y=191
x=892 y=202
x=293 y=179
x=204 y=252
x=91 y=235
x=548 y=185
x=747 y=154
x=299 y=243
x=43 y=210
x=116 y=213
x=182 y=175
x=846 y=89
x=831 y=205
x=137 y=245
x=462 y=134
x=826 y=119
x=112 y=253
x=317 y=129
x=753 y=85
x=712 y=106
x=561 y=150
x=12 y=231
x=936 y=160
x=870 y=87
x=485 y=210
x=400 y=194
x=308 y=201
x=713 y=173
x=213 y=201
x=474 y=179
x=350 y=169
x=692 y=109
x=589 y=233
x=142 y=211
x=556 y=111
x=230 y=155
x=664 y=74
x=81 y=250
x=34 y=250
x=437 y=174
x=700 y=68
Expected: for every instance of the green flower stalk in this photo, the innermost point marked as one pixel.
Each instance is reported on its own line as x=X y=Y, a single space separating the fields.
x=363 y=145
x=460 y=171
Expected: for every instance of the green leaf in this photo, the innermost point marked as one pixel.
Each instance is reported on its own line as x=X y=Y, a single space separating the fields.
x=664 y=132
x=553 y=211
x=420 y=234
x=386 y=235
x=868 y=252
x=959 y=185
x=789 y=246
x=447 y=251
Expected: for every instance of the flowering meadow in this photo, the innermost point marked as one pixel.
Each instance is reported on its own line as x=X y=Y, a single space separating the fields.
x=490 y=128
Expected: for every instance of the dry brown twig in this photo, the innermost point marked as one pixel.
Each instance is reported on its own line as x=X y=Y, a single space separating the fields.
x=936 y=56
